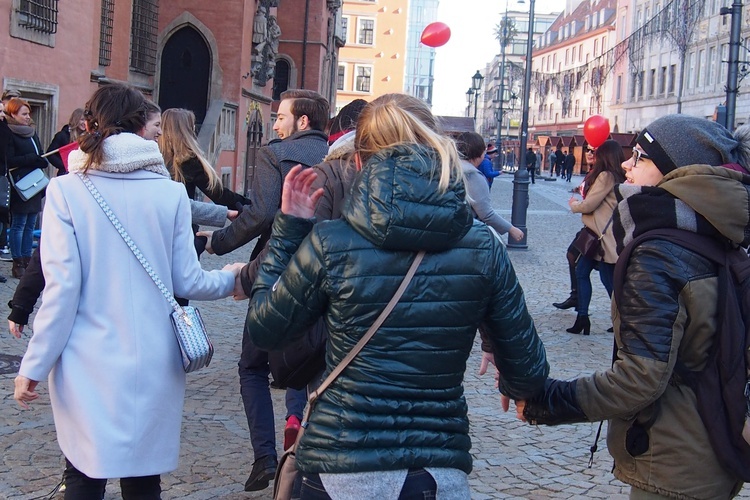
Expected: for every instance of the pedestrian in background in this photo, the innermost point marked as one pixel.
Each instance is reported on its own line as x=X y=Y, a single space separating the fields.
x=109 y=422
x=531 y=164
x=559 y=162
x=69 y=133
x=402 y=394
x=666 y=312
x=470 y=147
x=570 y=162
x=23 y=155
x=486 y=167
x=596 y=207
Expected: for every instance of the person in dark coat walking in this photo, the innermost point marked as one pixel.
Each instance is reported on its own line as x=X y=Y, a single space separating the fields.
x=301 y=120
x=559 y=161
x=570 y=161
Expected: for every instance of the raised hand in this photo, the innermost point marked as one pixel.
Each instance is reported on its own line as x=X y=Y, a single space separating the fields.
x=296 y=199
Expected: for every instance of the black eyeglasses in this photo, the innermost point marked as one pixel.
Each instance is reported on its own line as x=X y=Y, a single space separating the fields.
x=591 y=150
x=638 y=154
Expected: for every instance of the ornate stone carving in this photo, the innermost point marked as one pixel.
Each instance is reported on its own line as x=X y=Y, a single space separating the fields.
x=266 y=34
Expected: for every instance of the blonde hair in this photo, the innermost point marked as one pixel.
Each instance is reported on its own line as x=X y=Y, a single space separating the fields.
x=178 y=143
x=75 y=118
x=397 y=119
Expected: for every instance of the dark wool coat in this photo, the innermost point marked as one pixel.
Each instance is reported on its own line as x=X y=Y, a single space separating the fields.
x=22 y=157
x=400 y=403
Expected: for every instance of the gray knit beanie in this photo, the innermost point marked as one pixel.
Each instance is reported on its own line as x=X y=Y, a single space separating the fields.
x=674 y=141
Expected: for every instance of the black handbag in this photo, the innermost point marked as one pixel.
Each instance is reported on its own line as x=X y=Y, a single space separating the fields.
x=589 y=244
x=297 y=364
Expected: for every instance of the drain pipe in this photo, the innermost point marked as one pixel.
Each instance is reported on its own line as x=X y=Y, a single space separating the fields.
x=304 y=42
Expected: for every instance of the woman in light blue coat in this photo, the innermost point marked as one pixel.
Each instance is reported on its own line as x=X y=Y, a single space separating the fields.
x=103 y=334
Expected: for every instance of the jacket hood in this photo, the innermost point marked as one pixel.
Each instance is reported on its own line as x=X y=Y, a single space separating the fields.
x=395 y=202
x=720 y=195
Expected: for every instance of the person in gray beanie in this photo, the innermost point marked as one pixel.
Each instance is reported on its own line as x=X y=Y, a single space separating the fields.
x=691 y=175
x=675 y=141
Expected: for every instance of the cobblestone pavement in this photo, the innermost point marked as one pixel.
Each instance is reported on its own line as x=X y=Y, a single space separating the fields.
x=511 y=459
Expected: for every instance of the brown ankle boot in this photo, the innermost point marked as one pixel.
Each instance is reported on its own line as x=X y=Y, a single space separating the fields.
x=18 y=268
x=26 y=261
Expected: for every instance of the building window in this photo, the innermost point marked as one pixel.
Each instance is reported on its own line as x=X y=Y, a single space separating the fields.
x=573 y=59
x=281 y=77
x=699 y=68
x=38 y=15
x=340 y=76
x=344 y=28
x=580 y=52
x=663 y=80
x=596 y=48
x=364 y=78
x=618 y=95
x=711 y=63
x=366 y=32
x=691 y=70
x=105 y=32
x=640 y=84
x=577 y=108
x=672 y=77
x=651 y=82
x=143 y=36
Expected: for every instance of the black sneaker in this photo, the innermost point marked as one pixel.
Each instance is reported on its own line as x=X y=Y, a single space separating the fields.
x=264 y=470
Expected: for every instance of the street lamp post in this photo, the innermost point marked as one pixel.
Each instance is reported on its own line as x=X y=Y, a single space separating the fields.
x=521 y=177
x=734 y=52
x=469 y=97
x=503 y=44
x=476 y=85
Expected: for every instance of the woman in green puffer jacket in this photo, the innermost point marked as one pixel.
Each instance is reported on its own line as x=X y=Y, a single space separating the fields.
x=396 y=418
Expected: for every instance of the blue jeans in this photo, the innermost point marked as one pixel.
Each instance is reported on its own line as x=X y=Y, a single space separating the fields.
x=22 y=234
x=583 y=277
x=256 y=398
x=419 y=485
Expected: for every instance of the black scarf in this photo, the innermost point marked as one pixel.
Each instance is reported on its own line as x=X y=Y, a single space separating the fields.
x=643 y=208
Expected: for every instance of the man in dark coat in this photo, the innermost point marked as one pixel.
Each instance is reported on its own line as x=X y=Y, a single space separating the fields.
x=570 y=162
x=300 y=122
x=531 y=164
x=559 y=162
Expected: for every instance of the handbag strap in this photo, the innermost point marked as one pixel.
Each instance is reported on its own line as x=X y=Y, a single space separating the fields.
x=368 y=335
x=131 y=244
x=358 y=346
x=607 y=226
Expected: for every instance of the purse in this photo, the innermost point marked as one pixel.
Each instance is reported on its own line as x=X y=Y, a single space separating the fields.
x=30 y=184
x=195 y=346
x=287 y=475
x=298 y=363
x=589 y=244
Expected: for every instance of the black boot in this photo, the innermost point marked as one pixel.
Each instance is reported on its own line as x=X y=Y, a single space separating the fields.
x=582 y=324
x=571 y=301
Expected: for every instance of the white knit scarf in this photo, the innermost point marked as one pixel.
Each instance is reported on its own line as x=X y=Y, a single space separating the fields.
x=123 y=153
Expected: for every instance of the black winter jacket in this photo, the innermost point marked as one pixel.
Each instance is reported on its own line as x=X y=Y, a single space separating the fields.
x=400 y=403
x=23 y=157
x=273 y=162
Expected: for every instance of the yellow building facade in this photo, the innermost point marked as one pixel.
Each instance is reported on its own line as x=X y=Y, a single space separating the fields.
x=372 y=62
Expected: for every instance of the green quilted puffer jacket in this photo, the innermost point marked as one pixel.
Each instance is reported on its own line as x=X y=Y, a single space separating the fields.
x=400 y=403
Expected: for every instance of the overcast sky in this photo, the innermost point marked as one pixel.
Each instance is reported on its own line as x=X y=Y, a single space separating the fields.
x=472 y=45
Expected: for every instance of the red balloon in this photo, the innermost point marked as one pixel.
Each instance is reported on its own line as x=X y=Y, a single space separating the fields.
x=596 y=130
x=436 y=34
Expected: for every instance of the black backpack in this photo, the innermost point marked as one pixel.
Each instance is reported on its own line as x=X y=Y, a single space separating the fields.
x=721 y=387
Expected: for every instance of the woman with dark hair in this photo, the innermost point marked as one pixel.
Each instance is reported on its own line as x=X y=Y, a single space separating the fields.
x=596 y=212
x=115 y=371
x=23 y=155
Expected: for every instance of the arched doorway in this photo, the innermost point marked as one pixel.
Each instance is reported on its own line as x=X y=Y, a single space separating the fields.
x=185 y=73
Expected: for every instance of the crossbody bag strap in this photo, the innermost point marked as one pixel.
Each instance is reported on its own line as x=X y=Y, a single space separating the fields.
x=131 y=244
x=368 y=335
